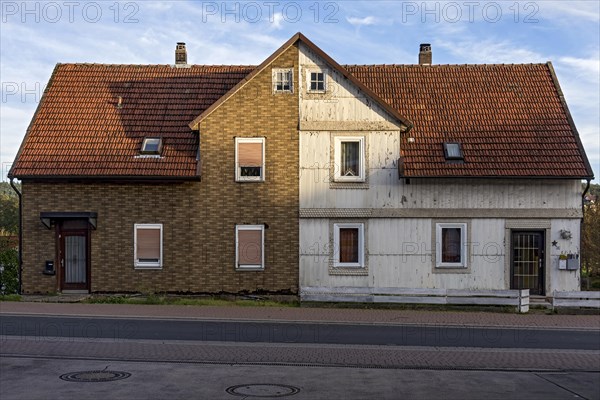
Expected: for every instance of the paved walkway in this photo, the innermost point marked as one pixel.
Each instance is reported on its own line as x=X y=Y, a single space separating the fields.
x=309 y=314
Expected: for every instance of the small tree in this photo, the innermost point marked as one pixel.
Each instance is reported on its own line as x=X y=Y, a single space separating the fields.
x=9 y=213
x=9 y=266
x=9 y=229
x=590 y=241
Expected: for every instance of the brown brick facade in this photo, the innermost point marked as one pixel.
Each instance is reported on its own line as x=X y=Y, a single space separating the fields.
x=198 y=218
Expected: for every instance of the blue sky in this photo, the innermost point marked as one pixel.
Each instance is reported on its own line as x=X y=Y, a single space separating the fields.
x=34 y=36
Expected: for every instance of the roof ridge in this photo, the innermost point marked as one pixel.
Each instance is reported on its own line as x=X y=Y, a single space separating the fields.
x=444 y=65
x=155 y=65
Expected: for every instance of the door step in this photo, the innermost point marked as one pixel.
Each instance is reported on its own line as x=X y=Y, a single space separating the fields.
x=539 y=302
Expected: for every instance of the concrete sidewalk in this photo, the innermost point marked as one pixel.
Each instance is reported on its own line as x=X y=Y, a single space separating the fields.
x=308 y=314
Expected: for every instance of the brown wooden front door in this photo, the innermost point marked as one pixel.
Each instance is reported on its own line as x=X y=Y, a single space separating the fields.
x=528 y=261
x=74 y=260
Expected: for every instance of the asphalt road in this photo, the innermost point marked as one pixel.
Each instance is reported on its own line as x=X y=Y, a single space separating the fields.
x=35 y=378
x=285 y=332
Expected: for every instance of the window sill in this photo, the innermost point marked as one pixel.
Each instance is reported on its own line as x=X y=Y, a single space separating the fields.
x=446 y=269
x=355 y=271
x=348 y=185
x=141 y=268
x=348 y=265
x=148 y=156
x=242 y=269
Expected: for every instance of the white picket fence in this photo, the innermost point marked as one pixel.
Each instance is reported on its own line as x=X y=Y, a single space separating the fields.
x=517 y=298
x=576 y=299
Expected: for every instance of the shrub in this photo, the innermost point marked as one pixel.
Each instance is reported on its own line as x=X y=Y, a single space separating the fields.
x=9 y=268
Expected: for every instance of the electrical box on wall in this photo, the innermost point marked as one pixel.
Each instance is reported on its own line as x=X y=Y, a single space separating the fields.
x=573 y=262
x=562 y=262
x=49 y=268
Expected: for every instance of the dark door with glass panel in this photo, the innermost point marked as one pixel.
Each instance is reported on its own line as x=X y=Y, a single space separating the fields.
x=74 y=260
x=527 y=261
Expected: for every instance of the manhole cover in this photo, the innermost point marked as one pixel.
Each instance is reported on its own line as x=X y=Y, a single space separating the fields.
x=95 y=376
x=263 y=390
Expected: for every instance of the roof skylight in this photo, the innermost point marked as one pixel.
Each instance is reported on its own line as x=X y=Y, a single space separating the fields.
x=453 y=151
x=151 y=145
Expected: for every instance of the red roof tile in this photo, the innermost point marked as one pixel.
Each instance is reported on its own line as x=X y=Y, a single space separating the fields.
x=78 y=130
x=510 y=119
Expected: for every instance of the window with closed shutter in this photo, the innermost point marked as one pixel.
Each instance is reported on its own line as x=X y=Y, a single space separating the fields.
x=250 y=161
x=250 y=246
x=148 y=245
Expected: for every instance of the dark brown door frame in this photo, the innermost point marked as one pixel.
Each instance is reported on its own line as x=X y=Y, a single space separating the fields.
x=541 y=281
x=61 y=232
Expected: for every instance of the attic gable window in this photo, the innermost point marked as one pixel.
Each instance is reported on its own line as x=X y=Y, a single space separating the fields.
x=151 y=146
x=283 y=80
x=316 y=81
x=453 y=151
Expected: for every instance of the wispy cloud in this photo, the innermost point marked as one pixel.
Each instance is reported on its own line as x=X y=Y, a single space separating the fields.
x=588 y=10
x=589 y=67
x=370 y=20
x=387 y=33
x=490 y=51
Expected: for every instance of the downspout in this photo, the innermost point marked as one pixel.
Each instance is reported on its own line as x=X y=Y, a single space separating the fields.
x=20 y=271
x=587 y=187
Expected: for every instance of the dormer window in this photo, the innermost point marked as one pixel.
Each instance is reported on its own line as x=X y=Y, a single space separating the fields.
x=283 y=80
x=151 y=146
x=453 y=151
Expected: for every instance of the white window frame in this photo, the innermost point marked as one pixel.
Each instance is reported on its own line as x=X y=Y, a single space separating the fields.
x=361 y=245
x=275 y=71
x=338 y=159
x=145 y=143
x=237 y=247
x=143 y=264
x=463 y=243
x=308 y=80
x=238 y=169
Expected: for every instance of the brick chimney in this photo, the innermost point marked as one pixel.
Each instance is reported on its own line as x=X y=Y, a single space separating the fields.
x=425 y=54
x=180 y=54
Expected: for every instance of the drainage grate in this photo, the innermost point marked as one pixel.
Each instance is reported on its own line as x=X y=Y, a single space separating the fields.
x=95 y=376
x=262 y=390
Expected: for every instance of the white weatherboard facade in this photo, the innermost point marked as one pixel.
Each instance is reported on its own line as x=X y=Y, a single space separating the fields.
x=400 y=217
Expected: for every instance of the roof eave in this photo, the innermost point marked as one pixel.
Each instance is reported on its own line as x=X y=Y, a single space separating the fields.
x=104 y=178
x=579 y=177
x=563 y=101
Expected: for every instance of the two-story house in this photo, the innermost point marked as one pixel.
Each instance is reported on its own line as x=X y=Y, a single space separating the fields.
x=301 y=173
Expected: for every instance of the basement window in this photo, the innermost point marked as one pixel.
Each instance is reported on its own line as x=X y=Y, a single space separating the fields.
x=453 y=151
x=151 y=146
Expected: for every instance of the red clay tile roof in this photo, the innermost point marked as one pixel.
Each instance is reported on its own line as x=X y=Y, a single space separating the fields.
x=78 y=130
x=509 y=119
